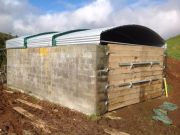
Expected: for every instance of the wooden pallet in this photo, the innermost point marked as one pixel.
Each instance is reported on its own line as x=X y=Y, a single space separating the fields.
x=122 y=96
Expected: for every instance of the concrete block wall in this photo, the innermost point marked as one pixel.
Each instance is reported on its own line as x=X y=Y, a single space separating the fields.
x=66 y=75
x=102 y=79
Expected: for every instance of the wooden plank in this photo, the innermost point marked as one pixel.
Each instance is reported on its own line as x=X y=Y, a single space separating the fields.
x=133 y=75
x=119 y=105
x=120 y=70
x=130 y=96
x=138 y=93
x=127 y=80
x=35 y=120
x=107 y=115
x=9 y=91
x=154 y=95
x=143 y=85
x=135 y=52
x=120 y=47
x=112 y=131
x=128 y=91
x=123 y=98
x=115 y=93
x=146 y=73
x=30 y=104
x=134 y=58
x=132 y=101
x=115 y=64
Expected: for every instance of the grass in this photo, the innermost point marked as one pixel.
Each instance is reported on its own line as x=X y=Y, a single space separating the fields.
x=94 y=117
x=170 y=88
x=173 y=47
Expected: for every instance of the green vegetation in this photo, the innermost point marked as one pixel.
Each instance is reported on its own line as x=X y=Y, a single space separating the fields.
x=3 y=38
x=173 y=47
x=94 y=117
x=170 y=88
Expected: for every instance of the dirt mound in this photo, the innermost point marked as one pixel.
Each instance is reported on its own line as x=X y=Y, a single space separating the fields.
x=58 y=119
x=9 y=121
x=173 y=70
x=173 y=75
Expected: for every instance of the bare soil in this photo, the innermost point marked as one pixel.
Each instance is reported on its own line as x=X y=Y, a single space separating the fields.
x=135 y=119
x=63 y=120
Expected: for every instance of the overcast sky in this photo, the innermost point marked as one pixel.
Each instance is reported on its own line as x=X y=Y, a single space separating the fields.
x=23 y=17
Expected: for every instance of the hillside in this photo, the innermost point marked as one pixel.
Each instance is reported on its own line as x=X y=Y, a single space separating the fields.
x=173 y=47
x=3 y=38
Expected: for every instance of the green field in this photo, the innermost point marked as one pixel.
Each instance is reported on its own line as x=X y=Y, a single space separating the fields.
x=173 y=47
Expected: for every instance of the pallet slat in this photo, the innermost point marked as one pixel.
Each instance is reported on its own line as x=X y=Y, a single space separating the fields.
x=112 y=94
x=135 y=52
x=119 y=89
x=121 y=70
x=127 y=80
x=115 y=61
x=119 y=105
x=132 y=101
x=133 y=75
x=137 y=94
x=120 y=47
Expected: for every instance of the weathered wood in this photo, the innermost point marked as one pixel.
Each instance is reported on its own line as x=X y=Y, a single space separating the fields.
x=9 y=91
x=133 y=58
x=112 y=131
x=30 y=104
x=127 y=80
x=122 y=47
x=119 y=89
x=135 y=52
x=123 y=96
x=127 y=91
x=34 y=120
x=115 y=60
x=121 y=70
x=119 y=105
x=115 y=64
x=132 y=101
x=138 y=94
x=133 y=75
x=112 y=117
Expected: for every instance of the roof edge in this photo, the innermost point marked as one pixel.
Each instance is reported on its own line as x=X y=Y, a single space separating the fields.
x=36 y=35
x=65 y=33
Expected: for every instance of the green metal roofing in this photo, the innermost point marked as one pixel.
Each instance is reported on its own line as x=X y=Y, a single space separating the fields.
x=64 y=33
x=36 y=35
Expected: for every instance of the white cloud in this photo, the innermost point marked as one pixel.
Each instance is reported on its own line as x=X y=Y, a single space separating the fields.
x=22 y=18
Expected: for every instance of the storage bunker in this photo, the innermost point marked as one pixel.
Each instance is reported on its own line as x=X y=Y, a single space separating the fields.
x=92 y=71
